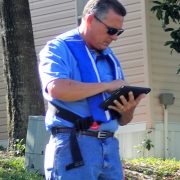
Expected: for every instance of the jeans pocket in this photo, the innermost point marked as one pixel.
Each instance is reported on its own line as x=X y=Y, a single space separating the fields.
x=63 y=152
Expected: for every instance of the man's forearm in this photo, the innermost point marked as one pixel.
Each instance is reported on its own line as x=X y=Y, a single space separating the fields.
x=69 y=90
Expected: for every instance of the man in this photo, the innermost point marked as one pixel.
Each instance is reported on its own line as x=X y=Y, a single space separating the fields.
x=78 y=71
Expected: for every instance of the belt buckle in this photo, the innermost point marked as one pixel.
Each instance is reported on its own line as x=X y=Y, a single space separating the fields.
x=101 y=135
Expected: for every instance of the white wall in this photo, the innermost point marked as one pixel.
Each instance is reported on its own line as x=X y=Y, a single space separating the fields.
x=132 y=135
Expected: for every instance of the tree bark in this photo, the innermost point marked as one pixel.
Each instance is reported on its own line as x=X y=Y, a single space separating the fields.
x=24 y=96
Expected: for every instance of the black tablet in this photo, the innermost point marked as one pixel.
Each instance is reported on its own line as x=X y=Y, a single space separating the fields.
x=124 y=90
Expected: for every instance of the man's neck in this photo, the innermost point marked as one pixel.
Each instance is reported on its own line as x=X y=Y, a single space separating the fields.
x=83 y=34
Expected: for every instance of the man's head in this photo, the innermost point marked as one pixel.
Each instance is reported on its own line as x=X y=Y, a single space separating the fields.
x=102 y=22
x=101 y=7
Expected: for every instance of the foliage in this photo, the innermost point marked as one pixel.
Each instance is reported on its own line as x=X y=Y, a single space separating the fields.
x=167 y=11
x=155 y=168
x=2 y=148
x=12 y=168
x=19 y=147
x=145 y=146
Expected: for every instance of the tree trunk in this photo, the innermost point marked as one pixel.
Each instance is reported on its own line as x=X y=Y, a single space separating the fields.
x=24 y=96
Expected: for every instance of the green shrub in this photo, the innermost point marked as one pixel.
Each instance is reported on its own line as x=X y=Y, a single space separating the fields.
x=19 y=147
x=12 y=168
x=154 y=167
x=2 y=148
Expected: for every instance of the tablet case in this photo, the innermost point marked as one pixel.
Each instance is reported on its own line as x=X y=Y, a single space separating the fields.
x=124 y=90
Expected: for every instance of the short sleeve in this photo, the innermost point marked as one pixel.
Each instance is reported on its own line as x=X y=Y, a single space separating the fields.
x=54 y=62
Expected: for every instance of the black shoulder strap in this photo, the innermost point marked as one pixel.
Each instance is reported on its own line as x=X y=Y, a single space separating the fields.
x=79 y=122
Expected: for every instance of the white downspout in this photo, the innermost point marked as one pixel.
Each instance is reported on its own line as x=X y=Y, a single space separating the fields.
x=166 y=99
x=166 y=149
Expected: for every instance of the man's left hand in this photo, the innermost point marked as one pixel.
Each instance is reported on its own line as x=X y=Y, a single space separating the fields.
x=126 y=107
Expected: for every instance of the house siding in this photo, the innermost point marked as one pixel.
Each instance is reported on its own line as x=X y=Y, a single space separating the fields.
x=3 y=110
x=160 y=74
x=163 y=66
x=145 y=61
x=130 y=48
x=50 y=18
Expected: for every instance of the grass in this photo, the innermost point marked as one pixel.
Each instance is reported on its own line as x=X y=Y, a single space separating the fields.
x=154 y=168
x=12 y=168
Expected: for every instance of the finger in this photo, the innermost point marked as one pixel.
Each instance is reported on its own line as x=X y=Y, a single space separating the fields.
x=123 y=100
x=114 y=108
x=131 y=96
x=120 y=108
x=117 y=109
x=139 y=98
x=117 y=106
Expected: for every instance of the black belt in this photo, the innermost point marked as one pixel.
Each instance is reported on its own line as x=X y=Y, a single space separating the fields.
x=97 y=134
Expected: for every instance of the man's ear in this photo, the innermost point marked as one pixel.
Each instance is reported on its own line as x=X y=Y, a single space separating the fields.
x=89 y=19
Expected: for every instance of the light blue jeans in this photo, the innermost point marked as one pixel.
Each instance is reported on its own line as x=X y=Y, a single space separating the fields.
x=101 y=158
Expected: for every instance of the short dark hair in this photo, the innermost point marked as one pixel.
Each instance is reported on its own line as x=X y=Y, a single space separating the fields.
x=101 y=7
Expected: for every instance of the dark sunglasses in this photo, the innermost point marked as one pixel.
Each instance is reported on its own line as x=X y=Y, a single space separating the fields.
x=110 y=30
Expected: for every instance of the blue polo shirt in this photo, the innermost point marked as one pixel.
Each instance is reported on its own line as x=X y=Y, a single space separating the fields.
x=57 y=63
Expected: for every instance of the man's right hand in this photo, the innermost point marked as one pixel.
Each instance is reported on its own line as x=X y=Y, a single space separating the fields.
x=113 y=85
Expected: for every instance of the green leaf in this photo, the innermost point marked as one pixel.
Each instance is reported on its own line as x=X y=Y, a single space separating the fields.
x=166 y=18
x=178 y=71
x=168 y=29
x=157 y=2
x=176 y=15
x=159 y=14
x=168 y=43
x=165 y=7
x=175 y=46
x=155 y=8
x=174 y=35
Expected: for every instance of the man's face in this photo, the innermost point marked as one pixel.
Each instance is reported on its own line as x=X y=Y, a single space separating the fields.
x=100 y=37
